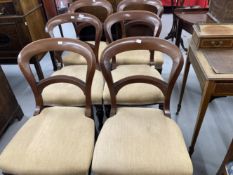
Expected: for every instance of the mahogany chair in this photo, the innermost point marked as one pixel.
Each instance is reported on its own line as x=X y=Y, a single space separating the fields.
x=154 y=6
x=128 y=19
x=55 y=94
x=137 y=140
x=99 y=8
x=57 y=140
x=78 y=20
x=150 y=94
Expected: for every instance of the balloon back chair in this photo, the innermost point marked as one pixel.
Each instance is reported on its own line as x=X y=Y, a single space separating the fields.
x=154 y=6
x=99 y=8
x=78 y=20
x=55 y=93
x=149 y=24
x=59 y=139
x=151 y=94
x=137 y=140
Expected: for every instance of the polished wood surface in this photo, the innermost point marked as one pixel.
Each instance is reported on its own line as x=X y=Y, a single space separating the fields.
x=9 y=107
x=212 y=85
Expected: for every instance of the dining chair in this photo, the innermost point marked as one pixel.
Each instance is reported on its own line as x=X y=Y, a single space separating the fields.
x=150 y=94
x=137 y=140
x=99 y=8
x=55 y=94
x=59 y=139
x=147 y=21
x=78 y=20
x=154 y=6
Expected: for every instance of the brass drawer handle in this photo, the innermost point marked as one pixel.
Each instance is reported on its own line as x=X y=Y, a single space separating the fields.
x=2 y=10
x=216 y=43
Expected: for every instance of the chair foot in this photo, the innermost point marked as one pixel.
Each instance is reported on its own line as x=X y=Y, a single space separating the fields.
x=107 y=109
x=161 y=106
x=191 y=150
x=178 y=109
x=182 y=45
x=160 y=70
x=100 y=116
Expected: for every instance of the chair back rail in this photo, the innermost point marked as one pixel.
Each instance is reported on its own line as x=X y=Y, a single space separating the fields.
x=141 y=5
x=57 y=44
x=140 y=16
x=133 y=18
x=80 y=5
x=141 y=43
x=79 y=20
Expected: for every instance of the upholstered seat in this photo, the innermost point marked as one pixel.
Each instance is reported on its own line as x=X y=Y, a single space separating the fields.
x=60 y=140
x=71 y=58
x=141 y=141
x=71 y=95
x=138 y=93
x=140 y=57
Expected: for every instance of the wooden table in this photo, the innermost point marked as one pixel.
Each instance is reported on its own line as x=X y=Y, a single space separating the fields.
x=212 y=85
x=186 y=18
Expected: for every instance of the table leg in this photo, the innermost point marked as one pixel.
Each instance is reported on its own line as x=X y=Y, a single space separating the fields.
x=228 y=158
x=186 y=71
x=178 y=32
x=206 y=96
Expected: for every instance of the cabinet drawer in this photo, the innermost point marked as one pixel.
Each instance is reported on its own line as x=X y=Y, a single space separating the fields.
x=224 y=89
x=216 y=43
x=7 y=8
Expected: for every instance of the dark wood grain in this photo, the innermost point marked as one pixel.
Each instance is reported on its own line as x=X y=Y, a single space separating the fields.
x=9 y=107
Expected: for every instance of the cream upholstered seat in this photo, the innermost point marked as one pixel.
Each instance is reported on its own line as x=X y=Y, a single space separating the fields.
x=139 y=57
x=138 y=93
x=60 y=140
x=141 y=141
x=69 y=94
x=71 y=58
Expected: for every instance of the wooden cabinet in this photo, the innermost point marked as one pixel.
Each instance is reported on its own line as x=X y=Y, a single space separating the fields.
x=9 y=107
x=21 y=21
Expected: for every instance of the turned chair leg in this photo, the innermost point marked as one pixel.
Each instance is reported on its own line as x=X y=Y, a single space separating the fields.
x=107 y=109
x=100 y=115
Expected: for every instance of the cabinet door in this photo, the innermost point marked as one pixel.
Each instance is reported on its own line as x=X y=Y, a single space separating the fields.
x=14 y=35
x=9 y=108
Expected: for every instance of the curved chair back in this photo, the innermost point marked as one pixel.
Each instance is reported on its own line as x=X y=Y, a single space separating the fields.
x=78 y=20
x=144 y=17
x=141 y=43
x=128 y=20
x=154 y=6
x=99 y=8
x=57 y=44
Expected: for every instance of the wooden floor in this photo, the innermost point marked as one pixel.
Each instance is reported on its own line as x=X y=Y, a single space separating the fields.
x=216 y=132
